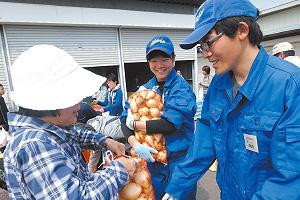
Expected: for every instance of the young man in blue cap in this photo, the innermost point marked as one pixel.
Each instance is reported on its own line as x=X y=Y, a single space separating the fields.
x=176 y=123
x=256 y=138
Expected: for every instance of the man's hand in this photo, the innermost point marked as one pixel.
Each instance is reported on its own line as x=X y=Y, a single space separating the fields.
x=168 y=197
x=130 y=120
x=116 y=147
x=144 y=151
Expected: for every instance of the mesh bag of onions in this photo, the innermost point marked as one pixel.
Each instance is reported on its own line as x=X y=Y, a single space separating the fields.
x=139 y=186
x=147 y=105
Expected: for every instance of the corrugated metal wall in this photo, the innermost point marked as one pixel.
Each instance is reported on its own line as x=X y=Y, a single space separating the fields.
x=4 y=76
x=90 y=47
x=134 y=43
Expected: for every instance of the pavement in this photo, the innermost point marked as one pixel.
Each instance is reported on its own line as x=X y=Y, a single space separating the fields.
x=207 y=187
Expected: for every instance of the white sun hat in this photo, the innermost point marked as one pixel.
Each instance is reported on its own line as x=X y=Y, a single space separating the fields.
x=45 y=77
x=281 y=47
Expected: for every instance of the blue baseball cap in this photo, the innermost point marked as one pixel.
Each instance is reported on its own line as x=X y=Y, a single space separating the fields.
x=160 y=43
x=212 y=11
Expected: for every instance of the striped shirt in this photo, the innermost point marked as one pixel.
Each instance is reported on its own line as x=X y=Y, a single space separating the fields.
x=44 y=161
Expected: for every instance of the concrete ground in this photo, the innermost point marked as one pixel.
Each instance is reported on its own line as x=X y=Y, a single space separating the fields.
x=207 y=187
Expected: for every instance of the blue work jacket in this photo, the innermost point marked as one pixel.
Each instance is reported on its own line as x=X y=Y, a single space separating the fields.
x=179 y=109
x=113 y=102
x=254 y=136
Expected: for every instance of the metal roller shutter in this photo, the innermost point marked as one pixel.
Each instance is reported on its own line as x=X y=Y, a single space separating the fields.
x=3 y=77
x=90 y=47
x=134 y=43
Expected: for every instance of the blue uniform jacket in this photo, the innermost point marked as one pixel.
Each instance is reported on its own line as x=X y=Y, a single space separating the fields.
x=267 y=108
x=113 y=102
x=179 y=108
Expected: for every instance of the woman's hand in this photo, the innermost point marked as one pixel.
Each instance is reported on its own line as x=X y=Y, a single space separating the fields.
x=116 y=147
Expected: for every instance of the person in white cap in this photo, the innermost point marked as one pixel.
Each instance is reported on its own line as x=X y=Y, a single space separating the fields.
x=43 y=158
x=285 y=50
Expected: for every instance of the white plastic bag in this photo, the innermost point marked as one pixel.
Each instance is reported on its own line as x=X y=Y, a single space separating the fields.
x=4 y=137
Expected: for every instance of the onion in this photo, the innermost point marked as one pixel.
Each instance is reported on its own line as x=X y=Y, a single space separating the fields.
x=144 y=118
x=143 y=111
x=150 y=140
x=133 y=107
x=154 y=112
x=150 y=95
x=162 y=155
x=139 y=101
x=136 y=116
x=131 y=191
x=151 y=103
x=144 y=94
x=157 y=137
x=157 y=146
x=147 y=190
x=157 y=97
x=141 y=178
x=160 y=106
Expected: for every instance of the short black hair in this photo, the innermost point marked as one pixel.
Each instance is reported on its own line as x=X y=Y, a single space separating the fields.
x=289 y=53
x=229 y=27
x=206 y=69
x=286 y=53
x=37 y=113
x=157 y=53
x=112 y=77
x=1 y=85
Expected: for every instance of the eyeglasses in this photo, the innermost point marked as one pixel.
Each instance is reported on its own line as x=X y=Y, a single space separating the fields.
x=205 y=46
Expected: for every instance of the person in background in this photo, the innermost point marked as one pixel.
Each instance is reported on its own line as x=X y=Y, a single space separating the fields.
x=178 y=72
x=176 y=123
x=206 y=79
x=114 y=99
x=285 y=50
x=3 y=109
x=102 y=93
x=43 y=157
x=255 y=137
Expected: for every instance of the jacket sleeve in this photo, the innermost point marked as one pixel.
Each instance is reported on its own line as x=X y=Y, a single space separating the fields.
x=105 y=102
x=180 y=106
x=285 y=151
x=48 y=172
x=200 y=156
x=118 y=102
x=87 y=138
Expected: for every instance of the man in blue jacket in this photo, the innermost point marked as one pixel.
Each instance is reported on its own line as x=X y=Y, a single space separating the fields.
x=254 y=135
x=177 y=120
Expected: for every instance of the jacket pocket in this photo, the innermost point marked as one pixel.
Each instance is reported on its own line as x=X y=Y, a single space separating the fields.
x=286 y=151
x=260 y=121
x=260 y=125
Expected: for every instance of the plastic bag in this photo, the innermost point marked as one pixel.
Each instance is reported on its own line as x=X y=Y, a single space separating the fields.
x=4 y=137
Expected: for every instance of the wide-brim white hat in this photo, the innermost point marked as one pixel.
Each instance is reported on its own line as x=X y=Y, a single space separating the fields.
x=47 y=78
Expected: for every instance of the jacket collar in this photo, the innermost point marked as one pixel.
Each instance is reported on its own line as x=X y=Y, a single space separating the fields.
x=250 y=85
x=16 y=121
x=169 y=80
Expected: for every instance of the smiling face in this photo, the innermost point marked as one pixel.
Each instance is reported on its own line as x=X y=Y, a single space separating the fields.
x=161 y=66
x=111 y=84
x=224 y=53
